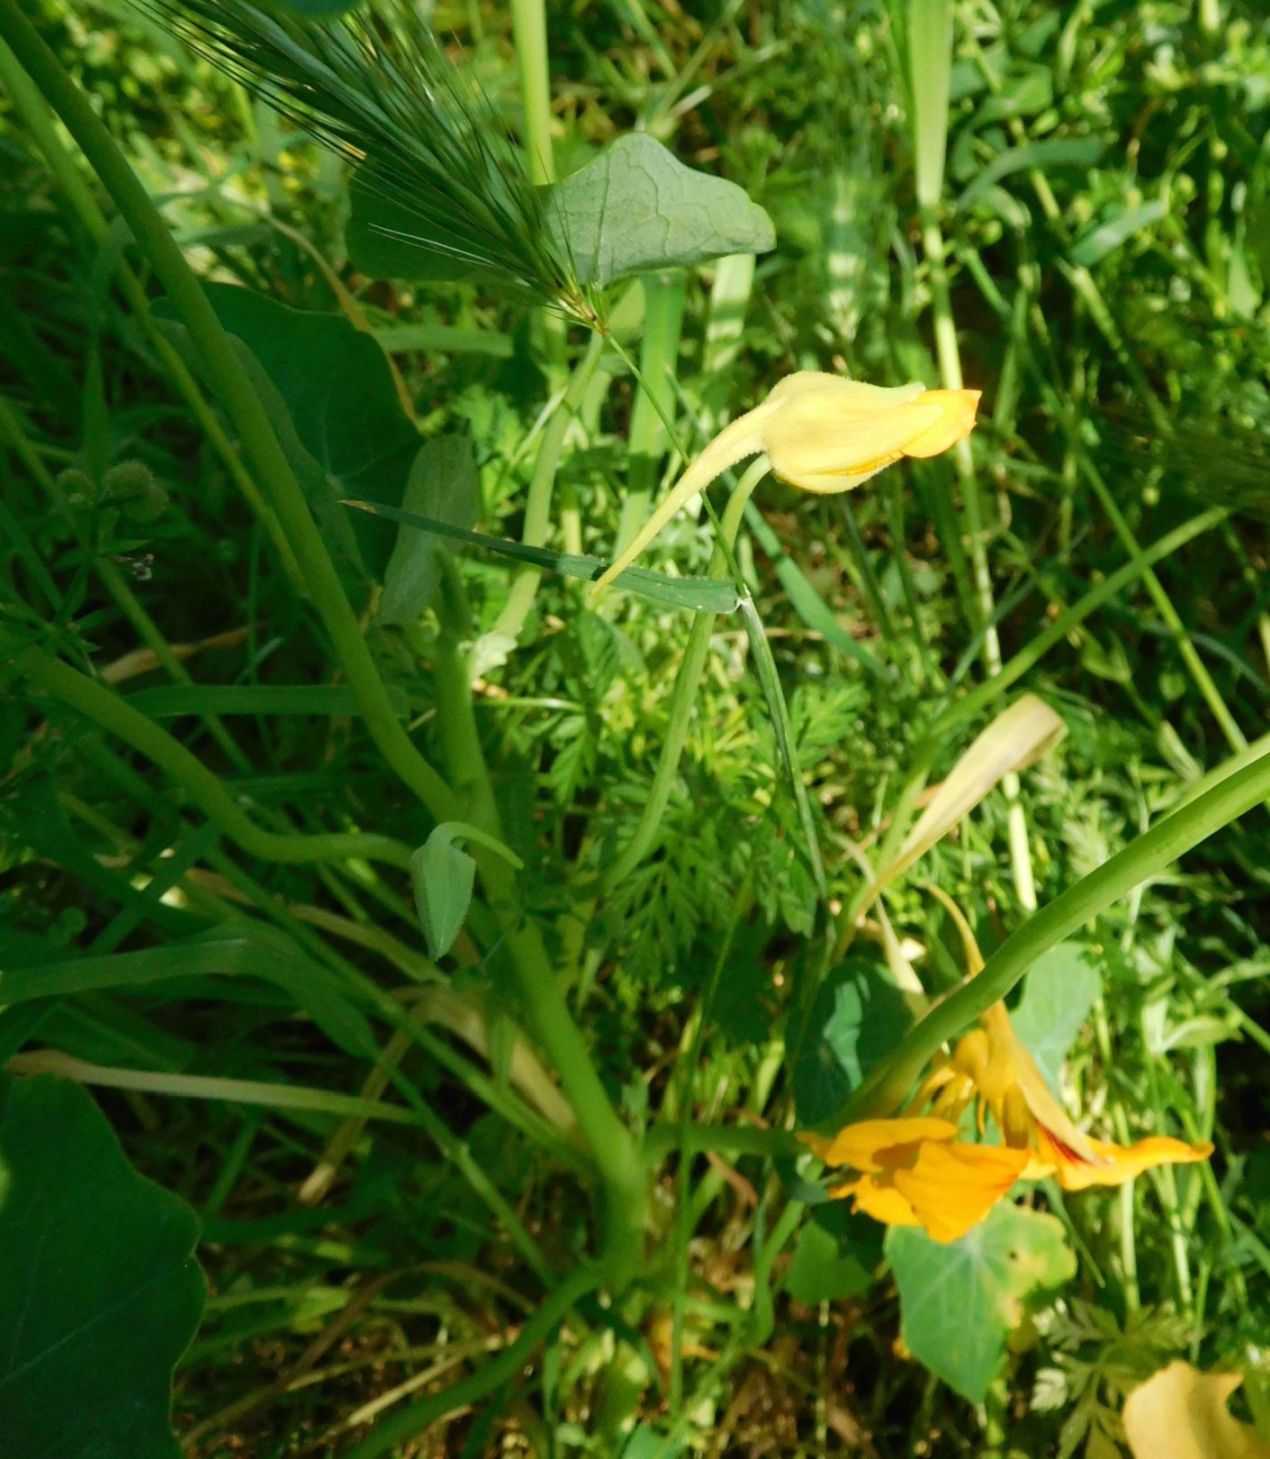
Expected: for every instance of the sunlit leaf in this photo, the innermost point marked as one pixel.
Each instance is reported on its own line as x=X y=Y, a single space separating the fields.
x=960 y=1300
x=637 y=207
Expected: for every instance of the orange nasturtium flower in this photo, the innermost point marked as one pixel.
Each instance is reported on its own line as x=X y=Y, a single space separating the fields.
x=913 y=1170
x=821 y=433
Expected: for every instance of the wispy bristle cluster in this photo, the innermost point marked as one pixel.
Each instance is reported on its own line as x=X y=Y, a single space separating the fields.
x=375 y=87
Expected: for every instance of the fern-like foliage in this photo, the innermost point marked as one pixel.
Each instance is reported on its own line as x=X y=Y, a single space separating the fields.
x=375 y=87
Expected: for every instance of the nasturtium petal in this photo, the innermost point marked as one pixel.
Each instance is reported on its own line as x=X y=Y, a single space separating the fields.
x=863 y=1144
x=954 y=422
x=878 y=1198
x=951 y=1188
x=1184 y=1414
x=1114 y=1164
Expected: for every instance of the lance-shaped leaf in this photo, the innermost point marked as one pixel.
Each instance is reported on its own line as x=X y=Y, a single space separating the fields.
x=699 y=595
x=1017 y=738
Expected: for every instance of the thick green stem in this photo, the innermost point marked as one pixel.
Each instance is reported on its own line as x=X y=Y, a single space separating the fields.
x=615 y=1152
x=616 y=1155
x=529 y=25
x=114 y=715
x=240 y=401
x=1145 y=857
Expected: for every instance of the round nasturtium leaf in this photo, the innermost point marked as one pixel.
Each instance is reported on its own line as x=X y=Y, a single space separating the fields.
x=960 y=1300
x=99 y=1290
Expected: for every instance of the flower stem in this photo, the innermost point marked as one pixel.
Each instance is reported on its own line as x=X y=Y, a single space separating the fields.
x=529 y=25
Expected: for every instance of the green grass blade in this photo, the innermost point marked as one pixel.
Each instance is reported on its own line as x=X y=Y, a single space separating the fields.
x=806 y=601
x=769 y=680
x=930 y=61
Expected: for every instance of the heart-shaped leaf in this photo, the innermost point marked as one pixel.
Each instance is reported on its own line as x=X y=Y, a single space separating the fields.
x=637 y=207
x=632 y=209
x=99 y=1290
x=960 y=1300
x=329 y=393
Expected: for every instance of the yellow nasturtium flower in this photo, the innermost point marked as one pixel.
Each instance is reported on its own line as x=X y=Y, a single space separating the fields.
x=821 y=433
x=914 y=1172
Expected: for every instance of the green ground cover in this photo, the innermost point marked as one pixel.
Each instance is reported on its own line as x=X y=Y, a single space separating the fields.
x=415 y=968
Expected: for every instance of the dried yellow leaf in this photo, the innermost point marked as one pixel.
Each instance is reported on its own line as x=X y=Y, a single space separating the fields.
x=1181 y=1413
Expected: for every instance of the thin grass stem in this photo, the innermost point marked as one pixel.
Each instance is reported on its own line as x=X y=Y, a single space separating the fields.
x=114 y=715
